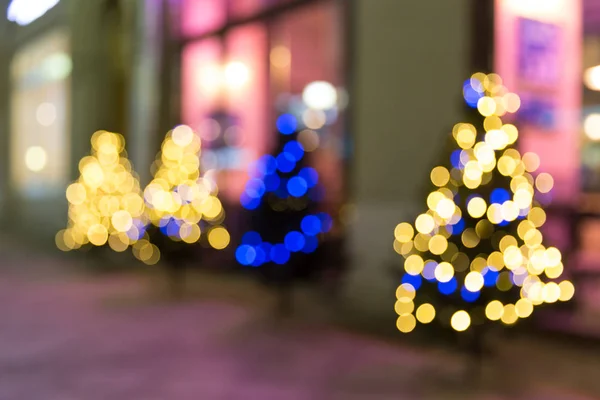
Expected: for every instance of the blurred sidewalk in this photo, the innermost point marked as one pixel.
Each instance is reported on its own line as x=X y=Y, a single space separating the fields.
x=110 y=338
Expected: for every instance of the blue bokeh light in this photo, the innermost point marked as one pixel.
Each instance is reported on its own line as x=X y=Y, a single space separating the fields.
x=311 y=225
x=294 y=241
x=490 y=277
x=471 y=95
x=248 y=202
x=279 y=254
x=266 y=165
x=415 y=280
x=173 y=228
x=455 y=158
x=286 y=162
x=255 y=188
x=287 y=124
x=260 y=257
x=447 y=287
x=266 y=248
x=245 y=254
x=295 y=149
x=252 y=238
x=326 y=222
x=429 y=271
x=458 y=227
x=310 y=175
x=469 y=296
x=310 y=245
x=499 y=196
x=297 y=186
x=272 y=182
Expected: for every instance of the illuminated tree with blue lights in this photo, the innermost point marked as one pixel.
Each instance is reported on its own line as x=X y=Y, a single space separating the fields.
x=477 y=252
x=283 y=196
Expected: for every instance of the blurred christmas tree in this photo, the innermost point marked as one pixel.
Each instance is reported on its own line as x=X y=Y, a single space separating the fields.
x=106 y=204
x=476 y=254
x=283 y=194
x=182 y=204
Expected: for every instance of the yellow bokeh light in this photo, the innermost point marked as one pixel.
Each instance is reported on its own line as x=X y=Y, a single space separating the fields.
x=425 y=313
x=438 y=244
x=440 y=176
x=405 y=291
x=445 y=208
x=551 y=292
x=404 y=232
x=497 y=139
x=484 y=229
x=513 y=258
x=524 y=308
x=460 y=321
x=406 y=323
x=477 y=207
x=424 y=223
x=512 y=133
x=444 y=272
x=537 y=216
x=414 y=264
x=218 y=238
x=531 y=162
x=509 y=316
x=122 y=220
x=494 y=310
x=404 y=307
x=544 y=182
x=567 y=290
x=474 y=281
x=509 y=210
x=97 y=234
x=486 y=106
x=469 y=238
x=494 y=213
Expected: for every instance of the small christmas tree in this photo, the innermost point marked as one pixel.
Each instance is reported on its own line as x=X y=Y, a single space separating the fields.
x=180 y=202
x=283 y=194
x=106 y=204
x=476 y=254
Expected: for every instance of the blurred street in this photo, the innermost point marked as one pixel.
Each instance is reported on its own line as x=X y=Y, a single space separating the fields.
x=64 y=336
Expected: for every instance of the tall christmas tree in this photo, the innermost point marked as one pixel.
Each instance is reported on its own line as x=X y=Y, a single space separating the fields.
x=106 y=204
x=283 y=194
x=477 y=252
x=181 y=203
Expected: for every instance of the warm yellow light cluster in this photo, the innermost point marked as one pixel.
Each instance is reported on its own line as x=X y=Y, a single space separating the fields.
x=520 y=260
x=178 y=191
x=106 y=204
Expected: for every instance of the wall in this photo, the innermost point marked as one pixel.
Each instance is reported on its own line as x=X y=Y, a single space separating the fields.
x=411 y=58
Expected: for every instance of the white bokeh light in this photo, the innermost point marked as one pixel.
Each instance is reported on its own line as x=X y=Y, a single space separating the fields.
x=36 y=158
x=591 y=126
x=45 y=114
x=236 y=74
x=320 y=95
x=591 y=78
x=24 y=12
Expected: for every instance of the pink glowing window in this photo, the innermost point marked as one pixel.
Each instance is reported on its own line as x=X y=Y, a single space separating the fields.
x=201 y=16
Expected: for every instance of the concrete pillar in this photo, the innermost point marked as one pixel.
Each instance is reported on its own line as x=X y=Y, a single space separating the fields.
x=410 y=60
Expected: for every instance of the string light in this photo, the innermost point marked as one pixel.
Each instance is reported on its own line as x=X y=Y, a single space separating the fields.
x=485 y=200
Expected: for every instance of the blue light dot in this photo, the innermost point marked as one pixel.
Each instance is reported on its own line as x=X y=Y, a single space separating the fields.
x=279 y=254
x=469 y=296
x=252 y=238
x=326 y=222
x=471 y=95
x=490 y=277
x=272 y=182
x=455 y=158
x=311 y=225
x=245 y=254
x=415 y=280
x=294 y=241
x=504 y=223
x=499 y=196
x=287 y=124
x=429 y=271
x=248 y=202
x=458 y=227
x=266 y=248
x=447 y=287
x=295 y=149
x=173 y=228
x=266 y=165
x=255 y=188
x=310 y=175
x=297 y=186
x=285 y=162
x=260 y=257
x=310 y=245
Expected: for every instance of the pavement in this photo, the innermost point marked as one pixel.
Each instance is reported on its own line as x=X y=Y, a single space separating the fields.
x=66 y=336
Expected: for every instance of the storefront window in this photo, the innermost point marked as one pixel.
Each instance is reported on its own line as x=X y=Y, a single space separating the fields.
x=39 y=128
x=237 y=83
